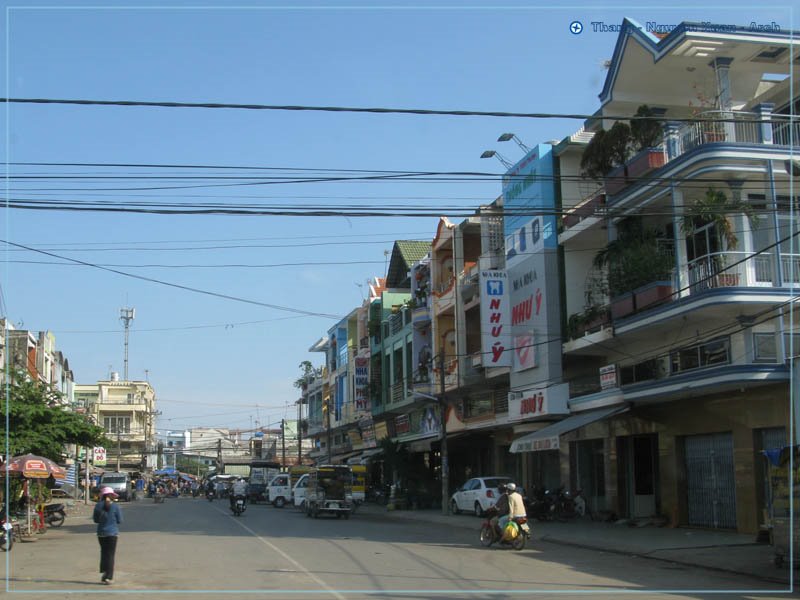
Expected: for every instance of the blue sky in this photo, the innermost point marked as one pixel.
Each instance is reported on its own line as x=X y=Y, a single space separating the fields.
x=214 y=361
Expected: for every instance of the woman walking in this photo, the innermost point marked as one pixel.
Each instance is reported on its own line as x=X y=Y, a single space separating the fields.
x=108 y=516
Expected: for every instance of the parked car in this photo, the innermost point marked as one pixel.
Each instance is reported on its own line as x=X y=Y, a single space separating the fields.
x=477 y=494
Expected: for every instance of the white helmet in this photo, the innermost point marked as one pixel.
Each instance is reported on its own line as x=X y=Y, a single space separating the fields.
x=511 y=486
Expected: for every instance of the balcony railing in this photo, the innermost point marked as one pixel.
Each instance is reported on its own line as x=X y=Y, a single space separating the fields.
x=732 y=269
x=733 y=127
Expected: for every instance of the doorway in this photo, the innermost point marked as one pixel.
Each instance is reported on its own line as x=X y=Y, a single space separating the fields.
x=637 y=457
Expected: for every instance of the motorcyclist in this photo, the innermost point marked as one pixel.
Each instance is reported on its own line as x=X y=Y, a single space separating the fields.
x=238 y=490
x=516 y=507
x=210 y=490
x=501 y=506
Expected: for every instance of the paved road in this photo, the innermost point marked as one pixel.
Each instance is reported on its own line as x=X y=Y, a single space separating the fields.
x=191 y=544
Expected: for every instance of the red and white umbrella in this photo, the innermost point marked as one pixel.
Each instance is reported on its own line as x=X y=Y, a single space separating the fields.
x=31 y=466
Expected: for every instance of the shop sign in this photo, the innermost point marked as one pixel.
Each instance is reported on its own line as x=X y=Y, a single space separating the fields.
x=539 y=402
x=402 y=424
x=495 y=319
x=608 y=377
x=550 y=443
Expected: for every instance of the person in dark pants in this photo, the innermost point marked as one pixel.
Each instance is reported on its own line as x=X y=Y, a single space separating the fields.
x=108 y=516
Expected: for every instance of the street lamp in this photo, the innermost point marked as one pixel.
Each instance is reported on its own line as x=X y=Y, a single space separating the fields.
x=490 y=153
x=510 y=136
x=443 y=433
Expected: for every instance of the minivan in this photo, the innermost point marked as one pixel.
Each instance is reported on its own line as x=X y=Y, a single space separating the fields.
x=120 y=483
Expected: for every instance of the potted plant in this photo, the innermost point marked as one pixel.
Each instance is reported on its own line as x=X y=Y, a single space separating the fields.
x=715 y=208
x=625 y=152
x=633 y=260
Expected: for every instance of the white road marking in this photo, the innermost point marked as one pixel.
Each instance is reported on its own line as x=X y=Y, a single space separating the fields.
x=269 y=544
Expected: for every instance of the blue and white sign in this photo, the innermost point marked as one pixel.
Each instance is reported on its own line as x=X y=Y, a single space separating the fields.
x=529 y=197
x=495 y=319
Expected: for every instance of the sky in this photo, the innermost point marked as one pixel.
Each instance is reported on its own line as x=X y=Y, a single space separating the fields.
x=203 y=334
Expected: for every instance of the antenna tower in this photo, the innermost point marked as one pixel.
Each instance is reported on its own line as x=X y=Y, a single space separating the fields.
x=126 y=315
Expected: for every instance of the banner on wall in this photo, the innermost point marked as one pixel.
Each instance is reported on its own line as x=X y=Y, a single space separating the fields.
x=495 y=319
x=362 y=384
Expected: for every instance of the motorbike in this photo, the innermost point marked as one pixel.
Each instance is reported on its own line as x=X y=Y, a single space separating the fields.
x=238 y=505
x=210 y=495
x=541 y=505
x=54 y=515
x=490 y=535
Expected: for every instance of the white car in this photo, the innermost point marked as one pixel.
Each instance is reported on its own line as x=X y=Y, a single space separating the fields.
x=299 y=492
x=477 y=495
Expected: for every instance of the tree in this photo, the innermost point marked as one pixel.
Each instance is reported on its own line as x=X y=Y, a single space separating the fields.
x=39 y=425
x=308 y=370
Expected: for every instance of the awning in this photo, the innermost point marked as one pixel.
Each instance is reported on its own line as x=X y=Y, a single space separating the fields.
x=341 y=459
x=547 y=437
x=364 y=457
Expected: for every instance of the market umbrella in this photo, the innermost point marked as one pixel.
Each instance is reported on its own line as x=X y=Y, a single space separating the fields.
x=31 y=466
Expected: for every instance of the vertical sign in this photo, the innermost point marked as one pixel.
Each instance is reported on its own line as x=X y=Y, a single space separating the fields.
x=362 y=384
x=495 y=319
x=99 y=456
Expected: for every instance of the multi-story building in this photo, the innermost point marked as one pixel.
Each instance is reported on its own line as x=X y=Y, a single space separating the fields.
x=679 y=327
x=126 y=412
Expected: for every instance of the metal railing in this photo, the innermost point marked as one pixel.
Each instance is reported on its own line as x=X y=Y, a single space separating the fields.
x=784 y=131
x=745 y=128
x=732 y=269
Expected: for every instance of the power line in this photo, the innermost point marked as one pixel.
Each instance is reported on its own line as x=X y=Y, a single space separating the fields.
x=373 y=110
x=178 y=286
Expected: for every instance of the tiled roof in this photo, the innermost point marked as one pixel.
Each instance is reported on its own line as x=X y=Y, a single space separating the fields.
x=404 y=254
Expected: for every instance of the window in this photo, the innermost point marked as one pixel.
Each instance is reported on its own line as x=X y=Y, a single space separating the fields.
x=643 y=371
x=764 y=349
x=715 y=352
x=477 y=405
x=117 y=424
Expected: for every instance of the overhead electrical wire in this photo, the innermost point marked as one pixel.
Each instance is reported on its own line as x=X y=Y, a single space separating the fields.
x=373 y=110
x=179 y=286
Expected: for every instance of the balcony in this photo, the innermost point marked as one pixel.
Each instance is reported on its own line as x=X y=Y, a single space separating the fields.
x=593 y=206
x=742 y=269
x=740 y=127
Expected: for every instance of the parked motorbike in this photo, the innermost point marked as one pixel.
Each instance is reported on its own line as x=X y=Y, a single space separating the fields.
x=54 y=515
x=564 y=505
x=540 y=505
x=489 y=535
x=238 y=505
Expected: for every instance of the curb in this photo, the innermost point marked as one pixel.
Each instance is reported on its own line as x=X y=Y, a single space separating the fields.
x=648 y=555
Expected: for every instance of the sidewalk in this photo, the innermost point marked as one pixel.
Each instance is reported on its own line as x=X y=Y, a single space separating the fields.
x=709 y=549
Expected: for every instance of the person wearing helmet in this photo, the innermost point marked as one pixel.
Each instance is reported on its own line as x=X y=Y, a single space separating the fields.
x=516 y=507
x=501 y=506
x=239 y=489
x=108 y=516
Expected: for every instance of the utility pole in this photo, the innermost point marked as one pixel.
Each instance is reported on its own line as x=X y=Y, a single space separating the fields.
x=443 y=429
x=328 y=426
x=283 y=442
x=86 y=489
x=219 y=455
x=126 y=315
x=300 y=432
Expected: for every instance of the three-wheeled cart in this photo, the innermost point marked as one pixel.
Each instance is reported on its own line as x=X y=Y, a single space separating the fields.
x=783 y=465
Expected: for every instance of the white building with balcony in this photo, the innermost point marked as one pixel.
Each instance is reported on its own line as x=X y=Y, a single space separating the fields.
x=126 y=412
x=678 y=349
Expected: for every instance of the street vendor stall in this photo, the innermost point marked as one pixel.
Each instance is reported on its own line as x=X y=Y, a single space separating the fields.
x=33 y=471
